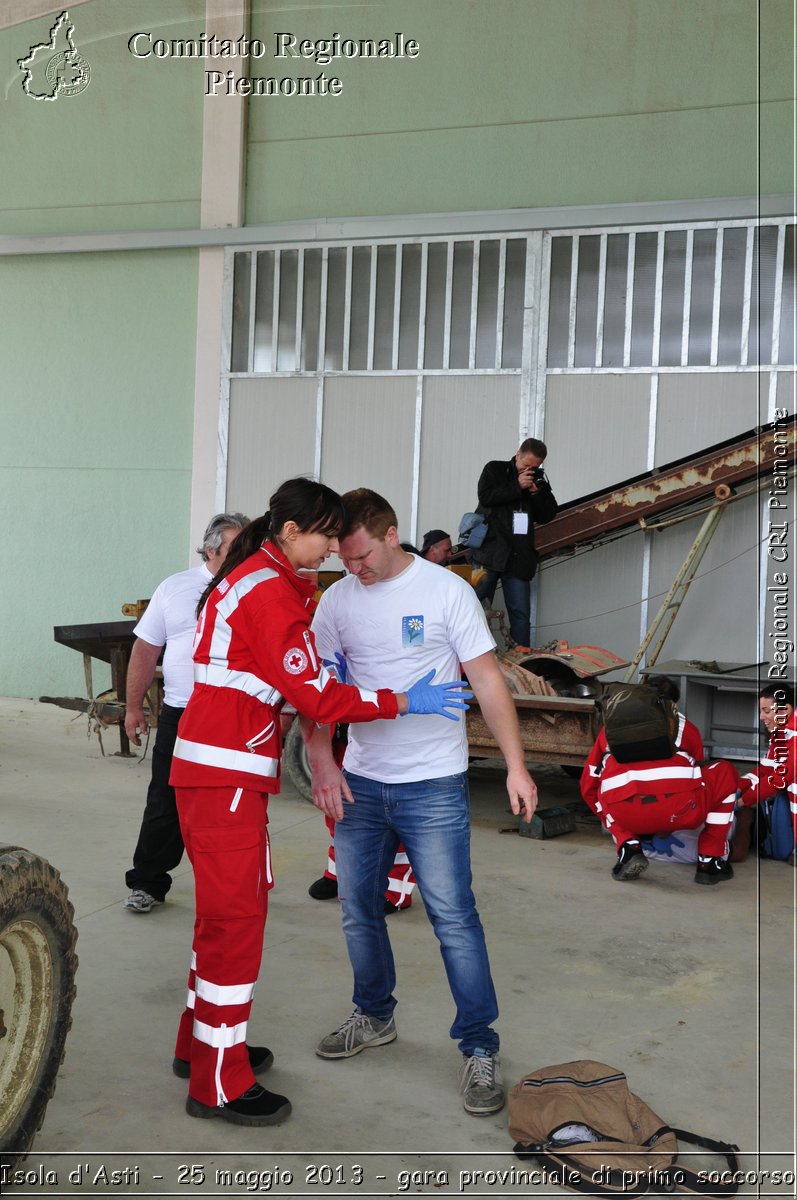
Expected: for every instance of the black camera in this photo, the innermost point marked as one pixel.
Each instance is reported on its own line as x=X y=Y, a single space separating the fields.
x=539 y=475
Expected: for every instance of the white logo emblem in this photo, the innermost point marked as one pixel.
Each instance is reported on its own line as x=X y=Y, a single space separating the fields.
x=295 y=661
x=55 y=68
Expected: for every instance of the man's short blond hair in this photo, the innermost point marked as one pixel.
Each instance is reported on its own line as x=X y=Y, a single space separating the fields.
x=368 y=510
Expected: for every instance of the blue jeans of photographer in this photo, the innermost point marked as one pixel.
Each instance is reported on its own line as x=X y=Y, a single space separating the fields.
x=517 y=598
x=432 y=818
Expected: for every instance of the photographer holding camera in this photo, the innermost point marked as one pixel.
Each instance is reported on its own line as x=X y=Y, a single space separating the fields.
x=512 y=497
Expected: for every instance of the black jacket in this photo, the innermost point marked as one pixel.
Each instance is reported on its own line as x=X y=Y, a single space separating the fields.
x=500 y=496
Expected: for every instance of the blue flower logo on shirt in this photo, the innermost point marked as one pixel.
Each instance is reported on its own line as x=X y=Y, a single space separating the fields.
x=412 y=631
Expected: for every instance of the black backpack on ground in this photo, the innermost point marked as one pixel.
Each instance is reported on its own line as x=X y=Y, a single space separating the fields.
x=640 y=725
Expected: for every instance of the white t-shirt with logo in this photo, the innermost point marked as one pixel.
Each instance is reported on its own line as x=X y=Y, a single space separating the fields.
x=170 y=621
x=392 y=634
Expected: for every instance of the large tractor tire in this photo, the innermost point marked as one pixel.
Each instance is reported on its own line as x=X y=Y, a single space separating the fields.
x=294 y=761
x=37 y=987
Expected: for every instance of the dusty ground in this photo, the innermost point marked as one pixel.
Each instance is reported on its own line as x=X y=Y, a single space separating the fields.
x=689 y=990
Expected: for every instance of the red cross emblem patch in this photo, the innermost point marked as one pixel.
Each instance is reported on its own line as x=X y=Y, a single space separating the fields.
x=295 y=661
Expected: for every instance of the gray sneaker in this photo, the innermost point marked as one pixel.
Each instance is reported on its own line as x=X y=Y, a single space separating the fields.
x=358 y=1032
x=481 y=1084
x=140 y=901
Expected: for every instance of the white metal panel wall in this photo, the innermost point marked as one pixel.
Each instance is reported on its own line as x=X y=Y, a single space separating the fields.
x=696 y=411
x=776 y=390
x=369 y=439
x=271 y=438
x=596 y=431
x=593 y=598
x=718 y=618
x=467 y=421
x=785 y=391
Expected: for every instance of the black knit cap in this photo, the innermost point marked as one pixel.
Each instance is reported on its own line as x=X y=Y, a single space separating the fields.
x=432 y=538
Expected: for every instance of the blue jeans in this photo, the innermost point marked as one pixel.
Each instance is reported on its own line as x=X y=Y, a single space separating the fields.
x=432 y=818
x=517 y=597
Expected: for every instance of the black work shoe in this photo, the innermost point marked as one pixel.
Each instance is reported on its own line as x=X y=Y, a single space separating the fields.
x=254 y=1107
x=631 y=862
x=260 y=1059
x=323 y=889
x=714 y=870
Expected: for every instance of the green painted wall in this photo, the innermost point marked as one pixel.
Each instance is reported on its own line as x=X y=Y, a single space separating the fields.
x=526 y=103
x=97 y=351
x=126 y=153
x=95 y=458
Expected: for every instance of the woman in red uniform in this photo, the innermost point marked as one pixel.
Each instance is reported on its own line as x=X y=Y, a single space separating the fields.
x=253 y=651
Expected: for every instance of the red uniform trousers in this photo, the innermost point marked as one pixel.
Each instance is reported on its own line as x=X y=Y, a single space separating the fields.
x=712 y=804
x=225 y=830
x=400 y=879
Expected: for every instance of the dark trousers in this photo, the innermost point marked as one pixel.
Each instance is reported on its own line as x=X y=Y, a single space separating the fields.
x=517 y=598
x=160 y=842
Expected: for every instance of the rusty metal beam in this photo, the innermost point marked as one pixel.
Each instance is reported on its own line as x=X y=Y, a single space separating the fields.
x=683 y=483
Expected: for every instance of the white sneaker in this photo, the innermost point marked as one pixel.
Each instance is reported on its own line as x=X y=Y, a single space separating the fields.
x=141 y=902
x=481 y=1084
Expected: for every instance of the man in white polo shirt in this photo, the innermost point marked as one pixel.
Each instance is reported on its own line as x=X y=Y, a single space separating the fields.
x=169 y=621
x=396 y=618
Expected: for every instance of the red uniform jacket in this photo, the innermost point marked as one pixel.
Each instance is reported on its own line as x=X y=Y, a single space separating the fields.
x=687 y=738
x=778 y=771
x=253 y=650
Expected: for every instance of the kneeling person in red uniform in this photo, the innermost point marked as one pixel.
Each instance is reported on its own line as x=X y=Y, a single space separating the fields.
x=252 y=652
x=687 y=738
x=661 y=795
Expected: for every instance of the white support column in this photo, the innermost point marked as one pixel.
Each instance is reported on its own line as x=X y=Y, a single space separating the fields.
x=221 y=207
x=535 y=336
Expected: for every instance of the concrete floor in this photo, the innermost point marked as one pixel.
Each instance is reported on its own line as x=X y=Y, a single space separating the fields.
x=688 y=990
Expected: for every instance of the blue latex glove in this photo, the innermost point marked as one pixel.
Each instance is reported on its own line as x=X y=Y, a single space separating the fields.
x=435 y=698
x=665 y=844
x=339 y=668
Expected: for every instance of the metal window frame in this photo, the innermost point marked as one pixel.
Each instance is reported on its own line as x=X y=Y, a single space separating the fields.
x=535 y=242
x=750 y=224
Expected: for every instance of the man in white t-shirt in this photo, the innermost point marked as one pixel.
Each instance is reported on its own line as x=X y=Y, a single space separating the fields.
x=396 y=618
x=169 y=621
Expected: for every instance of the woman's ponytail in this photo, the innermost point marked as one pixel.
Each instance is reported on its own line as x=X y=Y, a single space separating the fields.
x=247 y=542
